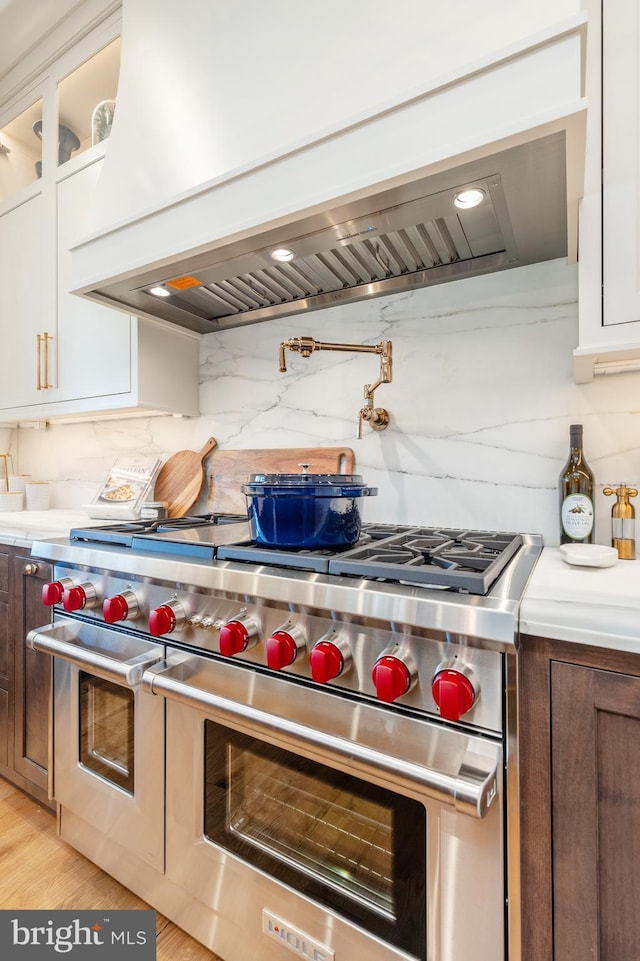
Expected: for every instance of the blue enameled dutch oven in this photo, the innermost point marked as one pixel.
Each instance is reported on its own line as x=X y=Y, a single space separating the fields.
x=312 y=511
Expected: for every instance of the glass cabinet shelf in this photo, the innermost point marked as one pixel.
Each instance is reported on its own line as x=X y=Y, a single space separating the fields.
x=86 y=102
x=20 y=151
x=84 y=107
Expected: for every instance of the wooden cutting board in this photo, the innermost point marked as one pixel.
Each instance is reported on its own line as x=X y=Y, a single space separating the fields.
x=229 y=469
x=180 y=479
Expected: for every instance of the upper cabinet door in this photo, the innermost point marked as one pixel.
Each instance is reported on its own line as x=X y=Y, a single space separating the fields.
x=609 y=243
x=621 y=162
x=27 y=359
x=94 y=350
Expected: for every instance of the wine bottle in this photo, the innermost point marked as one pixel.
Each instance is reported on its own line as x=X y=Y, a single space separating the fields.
x=577 y=512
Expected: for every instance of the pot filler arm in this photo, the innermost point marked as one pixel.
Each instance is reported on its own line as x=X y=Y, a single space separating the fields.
x=377 y=417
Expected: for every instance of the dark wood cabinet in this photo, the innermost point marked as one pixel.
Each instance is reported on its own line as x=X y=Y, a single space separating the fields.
x=25 y=676
x=580 y=802
x=4 y=655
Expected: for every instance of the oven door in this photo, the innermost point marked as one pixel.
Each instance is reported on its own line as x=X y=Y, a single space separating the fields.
x=108 y=734
x=304 y=819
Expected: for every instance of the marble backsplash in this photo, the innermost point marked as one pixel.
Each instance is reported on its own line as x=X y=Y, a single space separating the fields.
x=480 y=403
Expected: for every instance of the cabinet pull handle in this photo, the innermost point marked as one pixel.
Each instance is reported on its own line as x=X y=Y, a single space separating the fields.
x=43 y=341
x=47 y=341
x=31 y=568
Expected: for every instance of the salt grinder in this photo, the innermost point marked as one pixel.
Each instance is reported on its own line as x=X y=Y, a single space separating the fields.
x=623 y=522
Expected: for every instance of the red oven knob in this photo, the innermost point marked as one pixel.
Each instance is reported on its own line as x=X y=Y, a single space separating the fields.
x=120 y=607
x=392 y=677
x=329 y=659
x=52 y=593
x=283 y=647
x=166 y=618
x=237 y=635
x=79 y=598
x=454 y=693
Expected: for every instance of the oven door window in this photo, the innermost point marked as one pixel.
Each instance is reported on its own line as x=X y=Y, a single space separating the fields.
x=106 y=730
x=354 y=847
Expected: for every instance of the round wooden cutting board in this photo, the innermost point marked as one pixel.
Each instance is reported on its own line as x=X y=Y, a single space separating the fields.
x=180 y=479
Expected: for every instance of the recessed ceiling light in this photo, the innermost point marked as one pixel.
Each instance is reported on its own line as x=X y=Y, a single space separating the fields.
x=159 y=291
x=282 y=253
x=469 y=198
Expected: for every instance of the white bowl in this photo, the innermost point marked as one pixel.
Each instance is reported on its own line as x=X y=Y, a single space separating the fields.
x=14 y=501
x=588 y=555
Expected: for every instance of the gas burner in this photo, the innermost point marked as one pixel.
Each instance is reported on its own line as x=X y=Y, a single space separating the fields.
x=198 y=520
x=467 y=561
x=123 y=534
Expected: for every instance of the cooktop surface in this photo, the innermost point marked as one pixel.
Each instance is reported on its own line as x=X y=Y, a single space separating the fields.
x=454 y=559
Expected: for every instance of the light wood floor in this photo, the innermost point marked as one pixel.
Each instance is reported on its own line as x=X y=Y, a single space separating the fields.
x=40 y=871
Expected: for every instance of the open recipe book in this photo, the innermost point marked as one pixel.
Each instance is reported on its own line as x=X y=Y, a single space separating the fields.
x=128 y=484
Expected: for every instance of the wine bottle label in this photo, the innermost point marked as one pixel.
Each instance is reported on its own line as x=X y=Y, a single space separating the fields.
x=577 y=516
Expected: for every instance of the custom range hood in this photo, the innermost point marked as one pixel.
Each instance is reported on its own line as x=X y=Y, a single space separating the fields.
x=381 y=204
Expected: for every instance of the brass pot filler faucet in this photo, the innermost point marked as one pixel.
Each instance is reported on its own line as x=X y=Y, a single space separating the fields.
x=376 y=417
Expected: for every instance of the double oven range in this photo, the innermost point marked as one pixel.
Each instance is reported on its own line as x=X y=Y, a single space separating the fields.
x=306 y=753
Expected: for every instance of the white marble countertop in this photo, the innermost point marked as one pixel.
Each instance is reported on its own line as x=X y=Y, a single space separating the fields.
x=599 y=606
x=22 y=527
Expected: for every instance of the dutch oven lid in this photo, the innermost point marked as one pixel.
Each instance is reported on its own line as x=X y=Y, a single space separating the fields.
x=317 y=485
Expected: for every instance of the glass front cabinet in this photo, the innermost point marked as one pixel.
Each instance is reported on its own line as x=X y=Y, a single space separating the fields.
x=69 y=356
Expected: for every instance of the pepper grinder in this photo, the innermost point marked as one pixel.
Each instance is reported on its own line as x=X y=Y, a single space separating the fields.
x=623 y=520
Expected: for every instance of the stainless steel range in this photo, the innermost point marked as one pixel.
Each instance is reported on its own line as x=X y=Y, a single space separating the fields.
x=294 y=752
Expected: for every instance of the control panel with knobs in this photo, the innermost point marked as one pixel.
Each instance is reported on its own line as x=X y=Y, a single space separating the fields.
x=238 y=634
x=330 y=658
x=394 y=675
x=442 y=678
x=454 y=689
x=167 y=618
x=284 y=646
x=120 y=607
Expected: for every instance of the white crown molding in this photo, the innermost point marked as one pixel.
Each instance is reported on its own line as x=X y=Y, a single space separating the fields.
x=34 y=34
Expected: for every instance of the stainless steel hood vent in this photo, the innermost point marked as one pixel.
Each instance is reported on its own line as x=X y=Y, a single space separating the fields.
x=410 y=236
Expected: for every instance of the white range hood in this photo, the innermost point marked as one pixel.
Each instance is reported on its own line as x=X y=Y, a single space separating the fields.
x=203 y=177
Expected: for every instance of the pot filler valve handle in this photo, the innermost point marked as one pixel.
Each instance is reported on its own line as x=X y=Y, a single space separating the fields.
x=376 y=417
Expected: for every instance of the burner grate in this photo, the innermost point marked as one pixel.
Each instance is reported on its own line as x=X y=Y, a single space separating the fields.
x=462 y=560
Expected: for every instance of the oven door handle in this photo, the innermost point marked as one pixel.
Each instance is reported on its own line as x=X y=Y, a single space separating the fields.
x=62 y=640
x=471 y=787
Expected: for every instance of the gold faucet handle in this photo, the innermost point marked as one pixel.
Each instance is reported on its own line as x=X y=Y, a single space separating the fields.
x=622 y=491
x=376 y=417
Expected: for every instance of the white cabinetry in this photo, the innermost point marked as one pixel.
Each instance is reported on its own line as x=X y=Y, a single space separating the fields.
x=26 y=306
x=609 y=296
x=94 y=341
x=108 y=360
x=62 y=356
x=93 y=360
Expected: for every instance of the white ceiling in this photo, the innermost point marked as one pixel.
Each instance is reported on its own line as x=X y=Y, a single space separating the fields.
x=24 y=22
